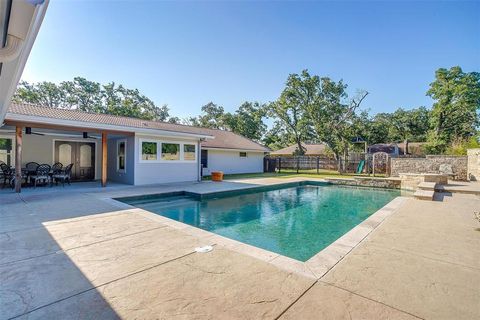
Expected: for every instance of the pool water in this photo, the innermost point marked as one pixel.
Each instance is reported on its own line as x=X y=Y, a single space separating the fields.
x=296 y=222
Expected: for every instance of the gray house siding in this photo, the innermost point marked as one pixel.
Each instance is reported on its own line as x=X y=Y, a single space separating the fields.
x=163 y=172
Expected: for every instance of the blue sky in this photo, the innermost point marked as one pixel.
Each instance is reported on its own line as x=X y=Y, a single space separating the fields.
x=186 y=54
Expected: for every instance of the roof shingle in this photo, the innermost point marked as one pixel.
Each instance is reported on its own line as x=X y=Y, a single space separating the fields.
x=223 y=139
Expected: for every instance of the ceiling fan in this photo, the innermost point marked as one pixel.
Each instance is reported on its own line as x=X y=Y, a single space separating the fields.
x=28 y=130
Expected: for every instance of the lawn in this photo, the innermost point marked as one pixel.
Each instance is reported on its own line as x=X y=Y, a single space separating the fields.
x=291 y=174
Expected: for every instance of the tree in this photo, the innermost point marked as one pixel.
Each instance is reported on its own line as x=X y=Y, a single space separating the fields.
x=455 y=112
x=291 y=107
x=90 y=96
x=43 y=93
x=333 y=115
x=212 y=117
x=247 y=120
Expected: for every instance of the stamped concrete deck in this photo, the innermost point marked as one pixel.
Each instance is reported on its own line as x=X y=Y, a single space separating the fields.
x=68 y=255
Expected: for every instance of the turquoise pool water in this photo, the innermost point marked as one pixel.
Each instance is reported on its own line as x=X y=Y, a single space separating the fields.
x=296 y=222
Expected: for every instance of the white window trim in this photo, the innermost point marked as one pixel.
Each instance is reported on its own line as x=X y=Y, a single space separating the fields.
x=124 y=156
x=159 y=151
x=12 y=153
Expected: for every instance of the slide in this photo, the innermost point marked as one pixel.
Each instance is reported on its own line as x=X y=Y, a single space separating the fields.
x=360 y=166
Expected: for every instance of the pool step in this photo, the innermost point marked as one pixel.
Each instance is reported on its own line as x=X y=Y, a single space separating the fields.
x=421 y=194
x=432 y=186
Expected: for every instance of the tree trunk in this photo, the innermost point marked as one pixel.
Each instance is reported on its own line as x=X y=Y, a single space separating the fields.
x=405 y=143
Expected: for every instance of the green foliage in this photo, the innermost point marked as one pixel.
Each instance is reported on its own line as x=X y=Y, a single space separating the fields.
x=246 y=121
x=458 y=147
x=291 y=107
x=90 y=96
x=455 y=112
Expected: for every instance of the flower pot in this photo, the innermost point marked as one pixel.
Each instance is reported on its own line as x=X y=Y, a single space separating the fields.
x=217 y=176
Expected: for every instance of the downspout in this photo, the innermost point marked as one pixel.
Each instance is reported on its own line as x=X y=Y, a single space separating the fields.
x=199 y=159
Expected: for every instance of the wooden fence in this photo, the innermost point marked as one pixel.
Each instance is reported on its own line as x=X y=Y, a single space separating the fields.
x=317 y=163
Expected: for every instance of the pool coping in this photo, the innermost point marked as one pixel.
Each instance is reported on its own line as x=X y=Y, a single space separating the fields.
x=315 y=267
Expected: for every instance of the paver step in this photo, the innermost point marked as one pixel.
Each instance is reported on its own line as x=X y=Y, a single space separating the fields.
x=427 y=186
x=424 y=194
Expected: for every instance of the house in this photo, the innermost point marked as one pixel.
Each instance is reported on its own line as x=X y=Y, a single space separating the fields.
x=319 y=149
x=121 y=149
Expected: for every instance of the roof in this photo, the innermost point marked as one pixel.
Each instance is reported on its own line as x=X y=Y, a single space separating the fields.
x=414 y=148
x=389 y=148
x=311 y=149
x=222 y=139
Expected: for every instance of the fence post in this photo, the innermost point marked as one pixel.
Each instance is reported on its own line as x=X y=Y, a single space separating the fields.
x=298 y=163
x=279 y=164
x=318 y=164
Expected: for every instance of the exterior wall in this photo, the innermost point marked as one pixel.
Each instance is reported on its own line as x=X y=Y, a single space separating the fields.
x=164 y=171
x=127 y=177
x=230 y=162
x=41 y=150
x=430 y=164
x=473 y=165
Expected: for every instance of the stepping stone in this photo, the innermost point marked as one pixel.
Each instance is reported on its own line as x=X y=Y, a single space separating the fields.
x=424 y=194
x=427 y=186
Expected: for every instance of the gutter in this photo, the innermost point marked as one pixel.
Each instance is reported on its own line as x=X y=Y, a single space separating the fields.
x=25 y=19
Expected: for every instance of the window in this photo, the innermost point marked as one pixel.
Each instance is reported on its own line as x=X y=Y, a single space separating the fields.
x=189 y=152
x=121 y=155
x=170 y=151
x=243 y=154
x=6 y=150
x=149 y=150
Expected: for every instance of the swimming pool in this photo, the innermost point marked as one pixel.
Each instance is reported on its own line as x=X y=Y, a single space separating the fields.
x=294 y=221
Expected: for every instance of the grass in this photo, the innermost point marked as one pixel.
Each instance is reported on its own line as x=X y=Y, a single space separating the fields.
x=285 y=174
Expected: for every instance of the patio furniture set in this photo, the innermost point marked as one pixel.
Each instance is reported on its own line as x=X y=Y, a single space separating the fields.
x=34 y=173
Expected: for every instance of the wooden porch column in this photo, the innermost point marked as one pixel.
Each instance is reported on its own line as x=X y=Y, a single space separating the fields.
x=18 y=159
x=104 y=159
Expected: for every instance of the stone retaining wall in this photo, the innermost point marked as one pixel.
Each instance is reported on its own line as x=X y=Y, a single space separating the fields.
x=367 y=182
x=473 y=164
x=430 y=164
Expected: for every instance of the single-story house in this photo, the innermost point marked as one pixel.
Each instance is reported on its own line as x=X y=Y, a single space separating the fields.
x=125 y=150
x=318 y=149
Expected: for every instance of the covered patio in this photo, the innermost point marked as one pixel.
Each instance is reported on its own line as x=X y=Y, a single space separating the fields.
x=84 y=154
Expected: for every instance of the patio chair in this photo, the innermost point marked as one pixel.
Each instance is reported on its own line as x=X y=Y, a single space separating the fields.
x=7 y=173
x=31 y=168
x=63 y=175
x=41 y=174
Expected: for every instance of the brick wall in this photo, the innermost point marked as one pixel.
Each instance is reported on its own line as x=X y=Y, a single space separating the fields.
x=473 y=164
x=430 y=164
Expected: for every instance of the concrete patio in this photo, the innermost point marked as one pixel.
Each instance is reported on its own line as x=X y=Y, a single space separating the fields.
x=76 y=254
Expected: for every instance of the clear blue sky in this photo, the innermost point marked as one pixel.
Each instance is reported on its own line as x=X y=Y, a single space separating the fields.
x=186 y=54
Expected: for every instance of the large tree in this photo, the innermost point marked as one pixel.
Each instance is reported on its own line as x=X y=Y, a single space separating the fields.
x=91 y=96
x=248 y=120
x=291 y=108
x=455 y=112
x=333 y=115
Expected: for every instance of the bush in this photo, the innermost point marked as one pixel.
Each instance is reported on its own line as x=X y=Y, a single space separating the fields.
x=458 y=147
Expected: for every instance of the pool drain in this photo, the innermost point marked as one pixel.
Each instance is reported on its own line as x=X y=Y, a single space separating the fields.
x=204 y=249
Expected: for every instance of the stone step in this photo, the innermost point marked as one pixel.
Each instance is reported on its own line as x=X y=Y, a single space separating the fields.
x=424 y=194
x=427 y=186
